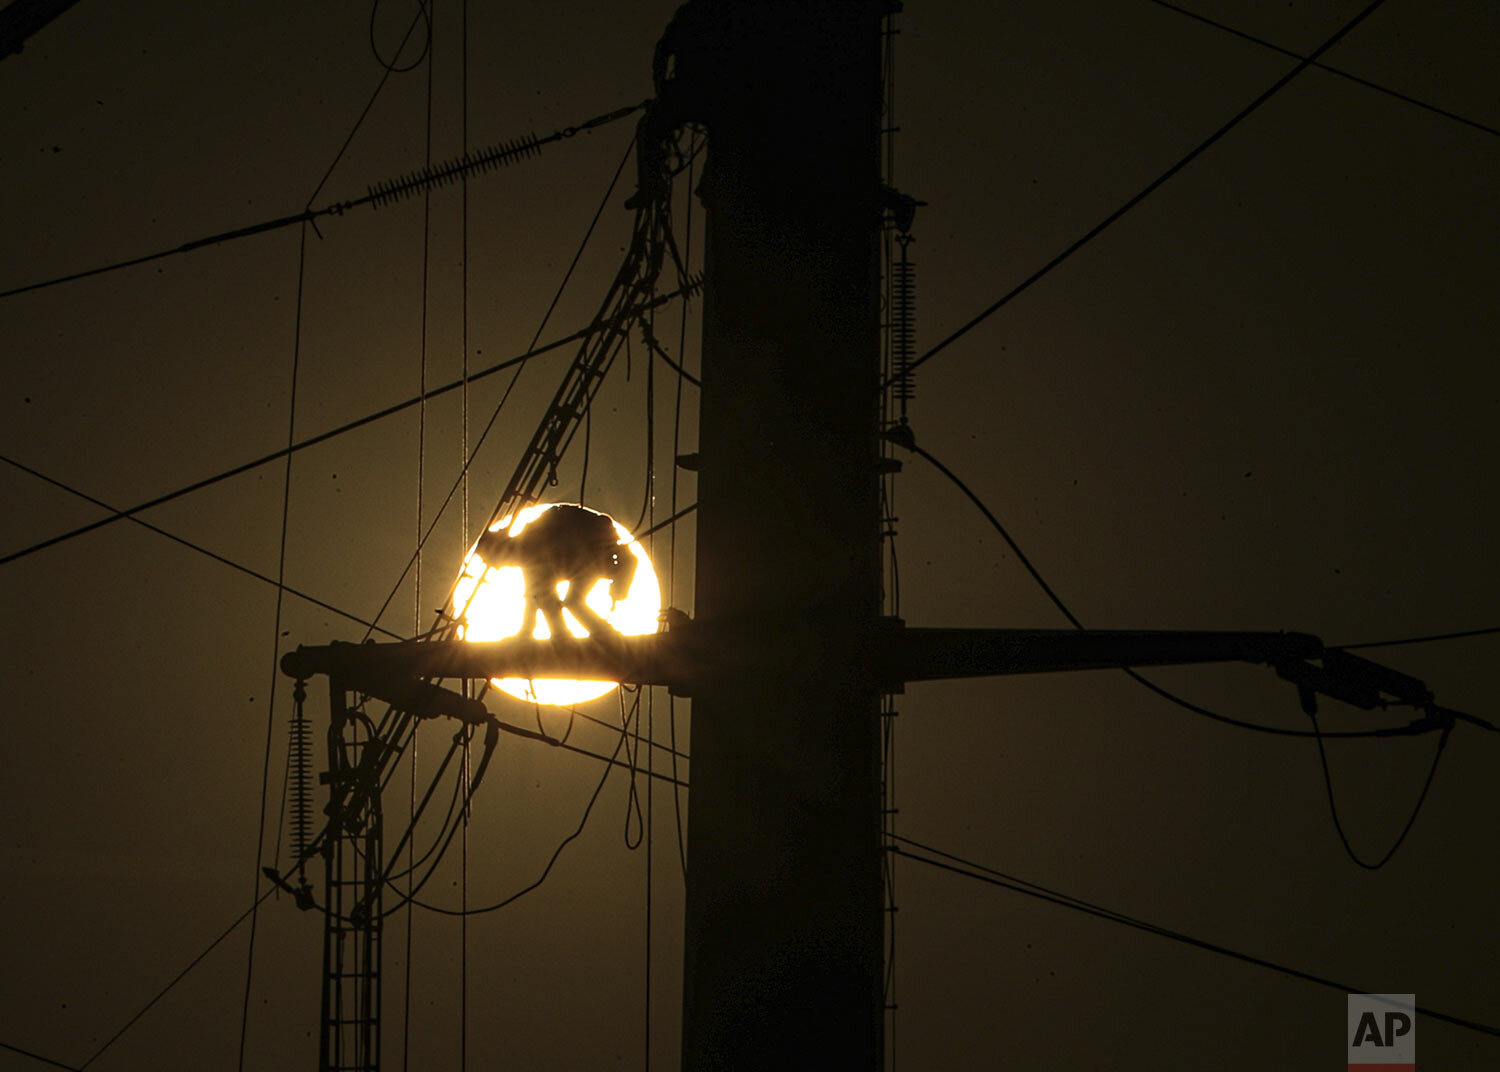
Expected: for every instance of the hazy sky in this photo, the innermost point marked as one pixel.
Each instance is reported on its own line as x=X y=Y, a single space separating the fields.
x=1264 y=399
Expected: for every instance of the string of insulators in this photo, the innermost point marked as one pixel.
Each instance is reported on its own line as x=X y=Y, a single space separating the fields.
x=472 y=163
x=903 y=324
x=299 y=770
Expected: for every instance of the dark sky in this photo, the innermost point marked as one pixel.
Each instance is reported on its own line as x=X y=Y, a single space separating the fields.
x=1264 y=399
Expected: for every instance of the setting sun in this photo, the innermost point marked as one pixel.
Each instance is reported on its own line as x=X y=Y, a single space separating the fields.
x=490 y=603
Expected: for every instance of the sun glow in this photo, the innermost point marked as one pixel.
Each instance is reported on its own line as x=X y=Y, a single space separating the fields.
x=490 y=604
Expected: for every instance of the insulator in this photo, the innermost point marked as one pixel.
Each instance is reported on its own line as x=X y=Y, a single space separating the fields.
x=299 y=778
x=436 y=175
x=903 y=325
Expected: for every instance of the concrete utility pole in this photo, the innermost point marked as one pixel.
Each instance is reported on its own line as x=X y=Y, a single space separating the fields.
x=783 y=931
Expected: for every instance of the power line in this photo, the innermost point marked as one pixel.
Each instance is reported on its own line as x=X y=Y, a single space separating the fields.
x=495 y=156
x=1417 y=727
x=978 y=873
x=322 y=437
x=38 y=1057
x=533 y=735
x=1150 y=188
x=1419 y=639
x=392 y=66
x=190 y=545
x=364 y=113
x=612 y=762
x=265 y=770
x=176 y=979
x=1411 y=819
x=1331 y=70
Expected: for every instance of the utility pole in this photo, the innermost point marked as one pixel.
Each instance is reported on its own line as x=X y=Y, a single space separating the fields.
x=784 y=926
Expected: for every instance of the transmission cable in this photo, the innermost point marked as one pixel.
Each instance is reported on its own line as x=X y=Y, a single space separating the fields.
x=612 y=761
x=1433 y=720
x=384 y=193
x=265 y=773
x=1331 y=70
x=542 y=738
x=694 y=143
x=393 y=65
x=370 y=418
x=1150 y=188
x=38 y=1057
x=466 y=459
x=1411 y=729
x=416 y=609
x=175 y=980
x=1411 y=820
x=191 y=546
x=959 y=866
x=1418 y=639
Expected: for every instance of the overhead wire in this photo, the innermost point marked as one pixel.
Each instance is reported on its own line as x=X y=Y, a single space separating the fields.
x=1414 y=728
x=1431 y=722
x=363 y=115
x=384 y=193
x=1377 y=87
x=657 y=745
x=414 y=748
x=175 y=980
x=610 y=763
x=393 y=65
x=694 y=141
x=311 y=441
x=1150 y=188
x=265 y=774
x=977 y=872
x=200 y=549
x=542 y=738
x=38 y=1057
x=1428 y=639
x=1411 y=820
x=465 y=461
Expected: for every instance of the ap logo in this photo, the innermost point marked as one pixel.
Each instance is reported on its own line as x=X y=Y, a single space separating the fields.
x=1382 y=1032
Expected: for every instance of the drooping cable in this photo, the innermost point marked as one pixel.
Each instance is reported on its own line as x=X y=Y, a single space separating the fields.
x=353 y=130
x=610 y=764
x=1414 y=728
x=394 y=65
x=1411 y=819
x=631 y=726
x=1146 y=192
x=957 y=865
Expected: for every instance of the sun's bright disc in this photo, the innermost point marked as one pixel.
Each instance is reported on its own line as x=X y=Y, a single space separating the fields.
x=490 y=603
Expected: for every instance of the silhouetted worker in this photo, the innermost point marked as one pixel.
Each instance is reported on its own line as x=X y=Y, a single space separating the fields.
x=565 y=543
